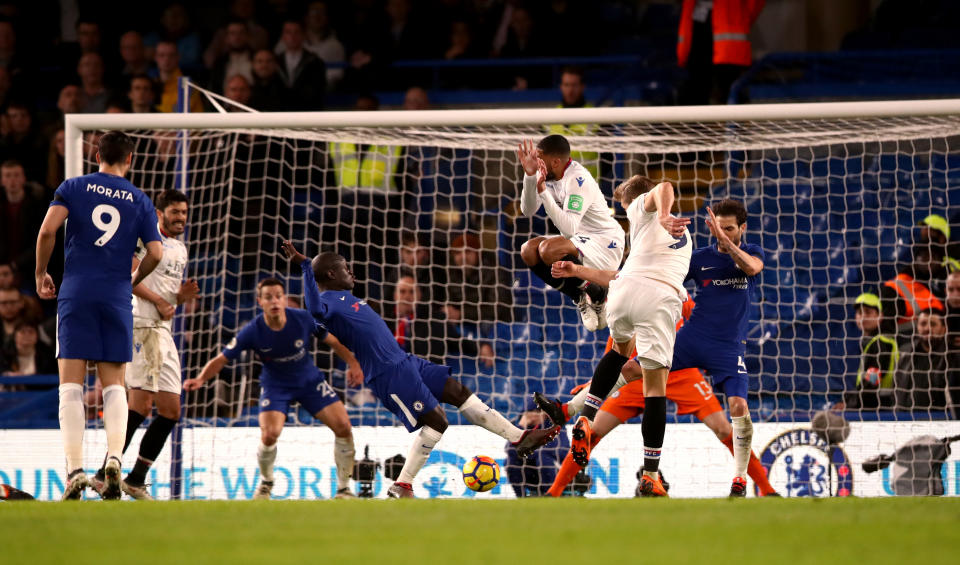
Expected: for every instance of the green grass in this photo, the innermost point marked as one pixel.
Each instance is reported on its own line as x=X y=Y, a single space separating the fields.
x=542 y=531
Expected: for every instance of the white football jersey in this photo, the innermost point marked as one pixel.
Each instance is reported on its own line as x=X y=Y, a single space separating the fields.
x=580 y=207
x=165 y=280
x=654 y=253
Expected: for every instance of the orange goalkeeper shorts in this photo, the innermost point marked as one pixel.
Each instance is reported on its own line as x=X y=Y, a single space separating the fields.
x=687 y=388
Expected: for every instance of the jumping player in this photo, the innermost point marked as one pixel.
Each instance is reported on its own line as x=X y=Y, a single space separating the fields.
x=280 y=337
x=405 y=384
x=646 y=299
x=589 y=234
x=108 y=215
x=154 y=375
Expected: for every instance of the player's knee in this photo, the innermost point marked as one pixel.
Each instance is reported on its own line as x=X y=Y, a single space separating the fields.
x=738 y=406
x=342 y=428
x=548 y=251
x=169 y=412
x=632 y=371
x=529 y=251
x=269 y=437
x=455 y=393
x=434 y=419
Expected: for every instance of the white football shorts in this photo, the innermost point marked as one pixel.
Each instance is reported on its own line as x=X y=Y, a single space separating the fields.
x=649 y=310
x=156 y=363
x=598 y=251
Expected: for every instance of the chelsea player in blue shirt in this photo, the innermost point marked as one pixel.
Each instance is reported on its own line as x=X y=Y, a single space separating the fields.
x=726 y=277
x=108 y=215
x=280 y=337
x=410 y=387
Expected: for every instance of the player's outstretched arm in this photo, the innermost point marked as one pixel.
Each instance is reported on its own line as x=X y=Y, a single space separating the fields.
x=532 y=183
x=566 y=269
x=747 y=263
x=210 y=370
x=149 y=262
x=354 y=371
x=46 y=240
x=660 y=199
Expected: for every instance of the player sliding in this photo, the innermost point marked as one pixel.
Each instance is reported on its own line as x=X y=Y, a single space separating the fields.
x=644 y=307
x=573 y=201
x=280 y=336
x=108 y=215
x=407 y=385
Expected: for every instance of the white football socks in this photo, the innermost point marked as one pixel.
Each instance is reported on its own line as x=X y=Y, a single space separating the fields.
x=72 y=422
x=575 y=405
x=266 y=455
x=742 y=440
x=115 y=419
x=419 y=453
x=343 y=453
x=478 y=413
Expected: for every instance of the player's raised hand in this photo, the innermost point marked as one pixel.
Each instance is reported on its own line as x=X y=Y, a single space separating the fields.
x=291 y=252
x=527 y=155
x=673 y=225
x=563 y=269
x=354 y=374
x=45 y=287
x=189 y=290
x=193 y=384
x=542 y=178
x=723 y=240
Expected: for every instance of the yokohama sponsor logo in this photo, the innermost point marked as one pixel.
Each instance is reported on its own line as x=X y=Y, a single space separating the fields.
x=739 y=283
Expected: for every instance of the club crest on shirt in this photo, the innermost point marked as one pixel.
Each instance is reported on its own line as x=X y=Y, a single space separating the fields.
x=800 y=463
x=298 y=343
x=232 y=343
x=418 y=406
x=265 y=402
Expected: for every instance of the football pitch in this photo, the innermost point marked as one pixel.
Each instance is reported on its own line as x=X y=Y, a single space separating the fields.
x=542 y=531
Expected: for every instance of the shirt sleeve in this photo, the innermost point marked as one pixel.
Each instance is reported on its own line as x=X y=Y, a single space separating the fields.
x=60 y=197
x=636 y=211
x=756 y=251
x=148 y=223
x=311 y=294
x=567 y=216
x=529 y=203
x=316 y=328
x=240 y=343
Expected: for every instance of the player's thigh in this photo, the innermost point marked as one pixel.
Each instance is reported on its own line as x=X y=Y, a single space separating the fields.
x=692 y=394
x=271 y=424
x=334 y=416
x=168 y=404
x=530 y=250
x=555 y=248
x=111 y=373
x=72 y=371
x=599 y=252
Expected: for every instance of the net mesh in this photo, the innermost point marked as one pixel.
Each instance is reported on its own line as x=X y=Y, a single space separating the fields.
x=835 y=204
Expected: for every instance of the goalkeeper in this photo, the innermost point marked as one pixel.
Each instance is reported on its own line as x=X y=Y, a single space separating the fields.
x=410 y=387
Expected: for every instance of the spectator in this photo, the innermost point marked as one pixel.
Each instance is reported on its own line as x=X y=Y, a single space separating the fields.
x=240 y=10
x=953 y=312
x=416 y=98
x=302 y=71
x=406 y=31
x=534 y=475
x=572 y=88
x=141 y=95
x=461 y=45
x=713 y=45
x=69 y=101
x=878 y=358
x=321 y=40
x=118 y=106
x=28 y=356
x=238 y=60
x=95 y=93
x=935 y=232
x=523 y=40
x=927 y=377
x=479 y=292
x=21 y=213
x=238 y=90
x=267 y=93
x=24 y=143
x=175 y=28
x=909 y=292
x=55 y=160
x=167 y=76
x=9 y=279
x=11 y=315
x=133 y=55
x=415 y=257
x=366 y=103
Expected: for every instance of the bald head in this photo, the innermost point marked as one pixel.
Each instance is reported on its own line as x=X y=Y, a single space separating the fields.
x=953 y=290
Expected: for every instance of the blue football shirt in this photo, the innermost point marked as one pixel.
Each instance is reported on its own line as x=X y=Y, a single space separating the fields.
x=284 y=354
x=107 y=216
x=723 y=296
x=355 y=324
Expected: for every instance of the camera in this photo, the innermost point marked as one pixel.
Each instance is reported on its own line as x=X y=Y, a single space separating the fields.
x=365 y=473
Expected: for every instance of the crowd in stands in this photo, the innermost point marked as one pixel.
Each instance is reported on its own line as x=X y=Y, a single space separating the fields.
x=911 y=332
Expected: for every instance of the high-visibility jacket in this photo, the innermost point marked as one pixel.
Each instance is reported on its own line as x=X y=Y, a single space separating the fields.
x=915 y=295
x=589 y=159
x=886 y=380
x=371 y=169
x=732 y=20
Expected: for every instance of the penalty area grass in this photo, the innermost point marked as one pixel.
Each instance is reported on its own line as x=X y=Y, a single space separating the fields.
x=461 y=532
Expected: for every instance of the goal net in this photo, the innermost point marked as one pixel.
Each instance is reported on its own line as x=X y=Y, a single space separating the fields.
x=425 y=208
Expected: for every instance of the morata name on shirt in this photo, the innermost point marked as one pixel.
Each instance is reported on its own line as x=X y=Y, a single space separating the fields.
x=111 y=192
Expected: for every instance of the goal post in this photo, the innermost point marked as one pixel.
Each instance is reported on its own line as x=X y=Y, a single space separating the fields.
x=834 y=193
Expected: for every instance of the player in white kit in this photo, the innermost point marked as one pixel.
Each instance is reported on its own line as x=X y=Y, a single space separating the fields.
x=153 y=377
x=590 y=235
x=645 y=304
